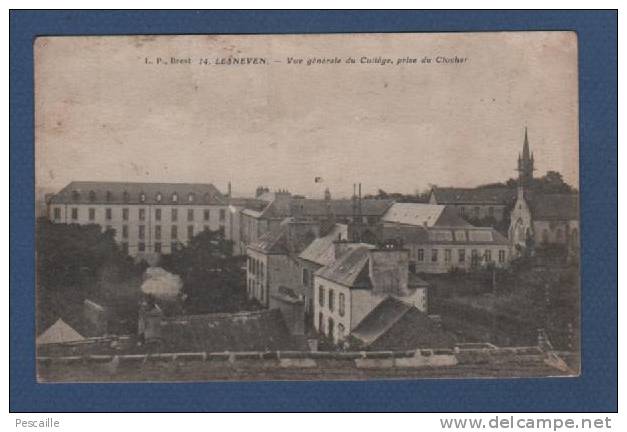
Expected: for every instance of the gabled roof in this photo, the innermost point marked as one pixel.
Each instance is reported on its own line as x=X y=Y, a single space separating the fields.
x=273 y=242
x=59 y=332
x=555 y=206
x=350 y=269
x=344 y=207
x=394 y=324
x=413 y=214
x=247 y=331
x=322 y=250
x=485 y=196
x=85 y=192
x=283 y=240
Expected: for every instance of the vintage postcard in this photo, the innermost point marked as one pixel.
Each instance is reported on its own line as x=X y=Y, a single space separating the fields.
x=307 y=207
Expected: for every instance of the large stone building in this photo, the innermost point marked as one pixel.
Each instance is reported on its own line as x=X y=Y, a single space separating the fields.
x=149 y=219
x=439 y=240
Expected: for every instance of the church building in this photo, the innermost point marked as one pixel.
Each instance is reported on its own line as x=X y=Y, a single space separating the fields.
x=539 y=219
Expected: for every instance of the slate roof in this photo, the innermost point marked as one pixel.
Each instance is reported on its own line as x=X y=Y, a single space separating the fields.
x=350 y=269
x=555 y=206
x=278 y=240
x=344 y=207
x=263 y=330
x=413 y=214
x=85 y=192
x=248 y=331
x=322 y=250
x=394 y=324
x=485 y=196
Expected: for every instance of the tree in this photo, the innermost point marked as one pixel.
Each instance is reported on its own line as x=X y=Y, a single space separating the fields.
x=72 y=263
x=213 y=280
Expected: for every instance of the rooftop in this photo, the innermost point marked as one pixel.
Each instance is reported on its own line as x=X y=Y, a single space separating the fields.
x=415 y=214
x=394 y=324
x=322 y=250
x=485 y=196
x=85 y=192
x=262 y=330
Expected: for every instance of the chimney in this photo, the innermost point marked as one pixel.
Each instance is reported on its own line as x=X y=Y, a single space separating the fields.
x=228 y=191
x=389 y=270
x=282 y=202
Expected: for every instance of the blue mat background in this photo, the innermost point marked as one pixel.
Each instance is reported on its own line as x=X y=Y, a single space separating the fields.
x=595 y=390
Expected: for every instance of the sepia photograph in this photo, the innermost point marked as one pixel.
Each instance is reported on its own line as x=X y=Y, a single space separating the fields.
x=307 y=207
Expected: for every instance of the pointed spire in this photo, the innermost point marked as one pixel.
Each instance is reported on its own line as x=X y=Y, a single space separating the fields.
x=525 y=154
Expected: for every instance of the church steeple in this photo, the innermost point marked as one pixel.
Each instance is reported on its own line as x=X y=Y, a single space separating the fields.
x=525 y=164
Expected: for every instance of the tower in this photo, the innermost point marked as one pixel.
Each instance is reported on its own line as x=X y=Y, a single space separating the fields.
x=525 y=164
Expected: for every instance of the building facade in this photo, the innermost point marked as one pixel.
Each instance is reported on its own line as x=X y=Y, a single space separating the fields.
x=439 y=240
x=149 y=219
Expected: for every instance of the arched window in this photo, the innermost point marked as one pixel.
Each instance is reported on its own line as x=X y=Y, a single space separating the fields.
x=175 y=197
x=158 y=197
x=190 y=197
x=207 y=197
x=92 y=196
x=142 y=197
x=76 y=195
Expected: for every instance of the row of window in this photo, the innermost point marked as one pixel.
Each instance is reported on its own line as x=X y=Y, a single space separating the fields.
x=331 y=300
x=174 y=231
x=156 y=247
x=126 y=196
x=141 y=213
x=255 y=267
x=461 y=255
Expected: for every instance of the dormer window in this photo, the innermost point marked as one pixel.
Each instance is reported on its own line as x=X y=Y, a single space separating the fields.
x=190 y=197
x=158 y=197
x=109 y=196
x=175 y=197
x=76 y=195
x=207 y=197
x=125 y=196
x=142 y=197
x=92 y=196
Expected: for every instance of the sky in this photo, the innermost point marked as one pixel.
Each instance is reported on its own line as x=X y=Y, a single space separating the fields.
x=106 y=110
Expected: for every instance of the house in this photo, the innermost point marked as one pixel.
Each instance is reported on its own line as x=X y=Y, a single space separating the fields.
x=320 y=252
x=544 y=219
x=439 y=240
x=348 y=289
x=148 y=219
x=396 y=325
